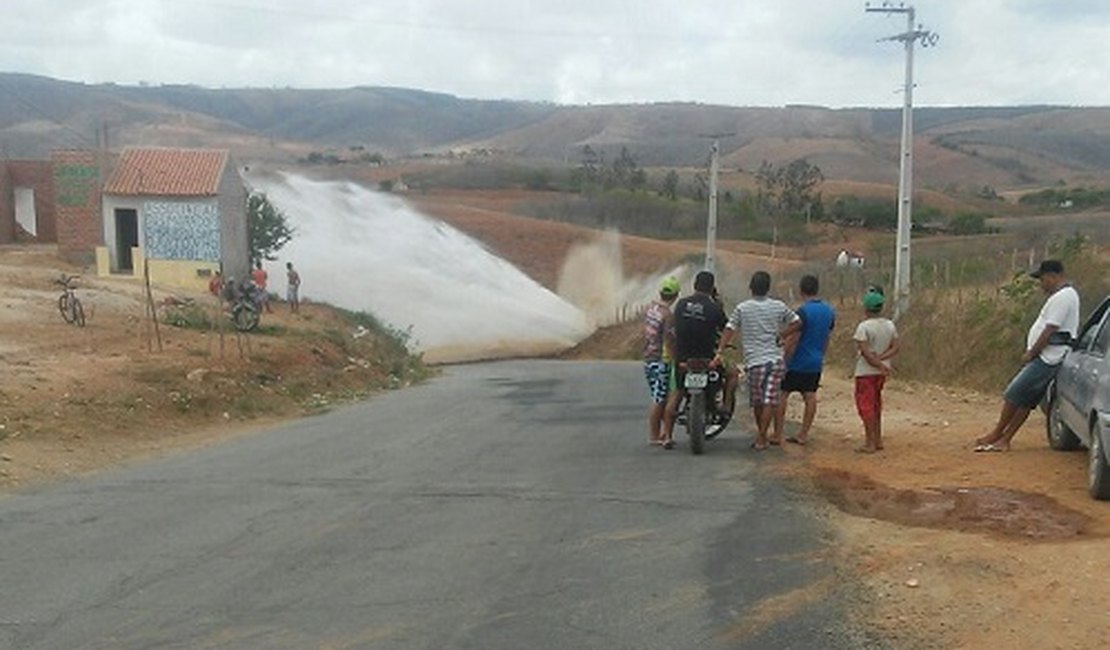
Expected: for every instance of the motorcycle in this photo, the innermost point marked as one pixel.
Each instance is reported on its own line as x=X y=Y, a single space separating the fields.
x=702 y=410
x=244 y=300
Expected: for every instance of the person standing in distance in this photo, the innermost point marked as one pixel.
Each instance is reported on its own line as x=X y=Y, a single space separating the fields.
x=657 y=356
x=1045 y=347
x=293 y=289
x=260 y=277
x=806 y=362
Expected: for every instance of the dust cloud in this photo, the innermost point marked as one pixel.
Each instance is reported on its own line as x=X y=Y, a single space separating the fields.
x=592 y=278
x=366 y=251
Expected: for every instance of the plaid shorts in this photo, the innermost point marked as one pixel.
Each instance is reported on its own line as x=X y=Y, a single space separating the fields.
x=765 y=383
x=658 y=374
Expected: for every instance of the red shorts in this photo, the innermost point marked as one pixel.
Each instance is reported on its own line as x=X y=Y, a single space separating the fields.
x=869 y=396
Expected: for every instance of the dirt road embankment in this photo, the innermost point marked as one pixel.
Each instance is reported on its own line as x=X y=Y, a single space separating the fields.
x=77 y=399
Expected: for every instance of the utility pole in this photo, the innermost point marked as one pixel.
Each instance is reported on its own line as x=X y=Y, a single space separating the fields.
x=711 y=227
x=905 y=170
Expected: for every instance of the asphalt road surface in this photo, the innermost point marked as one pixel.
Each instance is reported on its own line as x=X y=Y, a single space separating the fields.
x=508 y=505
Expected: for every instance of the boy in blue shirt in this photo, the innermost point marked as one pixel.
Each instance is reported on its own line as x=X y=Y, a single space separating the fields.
x=803 y=369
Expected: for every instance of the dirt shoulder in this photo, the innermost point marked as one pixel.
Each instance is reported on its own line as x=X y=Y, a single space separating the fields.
x=73 y=400
x=959 y=549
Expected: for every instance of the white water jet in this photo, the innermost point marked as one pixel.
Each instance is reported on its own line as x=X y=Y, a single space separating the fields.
x=367 y=251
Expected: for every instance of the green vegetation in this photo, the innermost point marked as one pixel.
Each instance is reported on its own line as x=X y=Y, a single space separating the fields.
x=188 y=316
x=1076 y=198
x=970 y=331
x=267 y=228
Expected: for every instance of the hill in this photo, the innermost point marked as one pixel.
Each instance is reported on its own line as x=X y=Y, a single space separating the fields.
x=1003 y=147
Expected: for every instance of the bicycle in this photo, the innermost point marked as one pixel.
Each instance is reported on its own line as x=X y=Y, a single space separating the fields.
x=68 y=303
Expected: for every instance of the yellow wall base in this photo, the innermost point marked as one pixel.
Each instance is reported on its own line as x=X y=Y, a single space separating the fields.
x=187 y=274
x=103 y=261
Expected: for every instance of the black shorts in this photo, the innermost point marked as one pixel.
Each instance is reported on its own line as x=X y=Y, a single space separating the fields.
x=801 y=382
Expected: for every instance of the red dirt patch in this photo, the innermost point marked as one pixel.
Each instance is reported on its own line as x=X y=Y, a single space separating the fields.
x=994 y=510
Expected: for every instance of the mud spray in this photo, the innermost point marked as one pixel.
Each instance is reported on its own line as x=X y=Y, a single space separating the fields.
x=593 y=279
x=367 y=251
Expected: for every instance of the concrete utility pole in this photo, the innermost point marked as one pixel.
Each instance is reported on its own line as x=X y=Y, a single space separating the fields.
x=711 y=227
x=905 y=170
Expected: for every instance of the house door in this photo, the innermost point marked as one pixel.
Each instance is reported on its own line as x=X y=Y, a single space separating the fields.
x=127 y=236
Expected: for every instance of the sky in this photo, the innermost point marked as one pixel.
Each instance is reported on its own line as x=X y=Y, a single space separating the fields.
x=729 y=52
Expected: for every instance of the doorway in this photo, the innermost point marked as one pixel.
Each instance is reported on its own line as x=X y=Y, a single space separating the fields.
x=127 y=237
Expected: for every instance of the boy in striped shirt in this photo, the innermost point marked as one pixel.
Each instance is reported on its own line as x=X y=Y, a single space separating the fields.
x=762 y=322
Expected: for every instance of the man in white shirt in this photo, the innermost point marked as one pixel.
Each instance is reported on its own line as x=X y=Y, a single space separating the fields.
x=1045 y=347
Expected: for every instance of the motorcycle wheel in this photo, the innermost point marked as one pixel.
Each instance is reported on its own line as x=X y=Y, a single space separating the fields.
x=244 y=317
x=695 y=423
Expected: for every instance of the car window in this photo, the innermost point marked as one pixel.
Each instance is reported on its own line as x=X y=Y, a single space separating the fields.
x=1090 y=327
x=1085 y=340
x=1102 y=343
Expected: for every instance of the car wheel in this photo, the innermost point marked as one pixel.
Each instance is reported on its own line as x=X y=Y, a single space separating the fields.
x=1098 y=471
x=1060 y=437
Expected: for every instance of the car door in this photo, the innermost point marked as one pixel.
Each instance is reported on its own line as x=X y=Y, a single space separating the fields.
x=1074 y=387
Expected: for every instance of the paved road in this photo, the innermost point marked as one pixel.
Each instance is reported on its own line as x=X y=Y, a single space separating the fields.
x=509 y=505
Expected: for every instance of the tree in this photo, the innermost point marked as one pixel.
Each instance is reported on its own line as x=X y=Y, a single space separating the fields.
x=670 y=185
x=788 y=190
x=267 y=228
x=625 y=172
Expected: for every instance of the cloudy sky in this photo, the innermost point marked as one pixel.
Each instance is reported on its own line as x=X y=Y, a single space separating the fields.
x=733 y=52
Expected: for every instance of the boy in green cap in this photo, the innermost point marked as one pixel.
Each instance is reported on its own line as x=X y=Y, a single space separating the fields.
x=657 y=356
x=877 y=342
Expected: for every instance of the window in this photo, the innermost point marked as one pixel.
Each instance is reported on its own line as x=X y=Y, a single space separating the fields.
x=1102 y=343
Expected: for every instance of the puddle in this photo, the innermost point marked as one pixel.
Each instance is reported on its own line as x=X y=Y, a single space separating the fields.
x=976 y=509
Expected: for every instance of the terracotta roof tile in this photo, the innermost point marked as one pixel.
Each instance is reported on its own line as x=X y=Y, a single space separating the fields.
x=168 y=172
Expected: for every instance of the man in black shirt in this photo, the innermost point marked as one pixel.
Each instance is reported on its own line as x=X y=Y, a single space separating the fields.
x=697 y=322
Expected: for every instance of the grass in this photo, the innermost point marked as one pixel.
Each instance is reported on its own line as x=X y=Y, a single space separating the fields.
x=972 y=335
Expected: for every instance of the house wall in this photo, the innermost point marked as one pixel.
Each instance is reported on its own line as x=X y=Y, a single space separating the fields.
x=179 y=238
x=181 y=229
x=188 y=274
x=34 y=175
x=77 y=184
x=234 y=247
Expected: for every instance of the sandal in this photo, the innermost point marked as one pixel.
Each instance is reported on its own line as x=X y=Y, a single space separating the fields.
x=989 y=447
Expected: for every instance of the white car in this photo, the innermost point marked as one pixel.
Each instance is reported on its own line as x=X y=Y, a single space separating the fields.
x=1079 y=400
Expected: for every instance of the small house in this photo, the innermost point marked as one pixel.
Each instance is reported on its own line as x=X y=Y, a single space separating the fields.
x=177 y=214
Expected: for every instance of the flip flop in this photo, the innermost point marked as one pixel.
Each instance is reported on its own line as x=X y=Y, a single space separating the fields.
x=668 y=445
x=758 y=447
x=796 y=441
x=774 y=442
x=989 y=447
x=865 y=450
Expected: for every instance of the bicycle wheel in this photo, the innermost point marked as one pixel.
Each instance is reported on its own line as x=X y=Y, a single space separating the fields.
x=63 y=307
x=77 y=312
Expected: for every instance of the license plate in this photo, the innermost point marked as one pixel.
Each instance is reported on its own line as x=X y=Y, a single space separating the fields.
x=697 y=380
